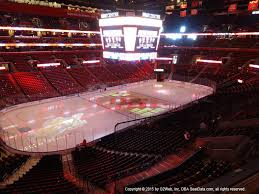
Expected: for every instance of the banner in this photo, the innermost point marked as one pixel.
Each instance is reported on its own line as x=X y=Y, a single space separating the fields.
x=195 y=3
x=44 y=11
x=183 y=13
x=253 y=5
x=183 y=5
x=169 y=9
x=194 y=12
x=232 y=7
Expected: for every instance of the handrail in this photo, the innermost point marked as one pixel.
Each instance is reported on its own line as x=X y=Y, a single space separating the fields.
x=29 y=153
x=145 y=118
x=195 y=152
x=78 y=136
x=230 y=78
x=197 y=76
x=161 y=115
x=42 y=145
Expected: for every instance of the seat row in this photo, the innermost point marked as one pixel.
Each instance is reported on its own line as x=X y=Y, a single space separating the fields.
x=46 y=177
x=102 y=167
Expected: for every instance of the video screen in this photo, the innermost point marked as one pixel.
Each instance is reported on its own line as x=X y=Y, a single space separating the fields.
x=130 y=38
x=138 y=40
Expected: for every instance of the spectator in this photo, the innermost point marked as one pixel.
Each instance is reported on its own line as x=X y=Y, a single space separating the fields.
x=203 y=129
x=187 y=135
x=83 y=143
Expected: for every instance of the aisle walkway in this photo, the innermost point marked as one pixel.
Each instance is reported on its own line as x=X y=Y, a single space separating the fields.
x=169 y=162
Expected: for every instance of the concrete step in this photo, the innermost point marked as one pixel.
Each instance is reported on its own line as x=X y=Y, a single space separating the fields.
x=29 y=164
x=71 y=176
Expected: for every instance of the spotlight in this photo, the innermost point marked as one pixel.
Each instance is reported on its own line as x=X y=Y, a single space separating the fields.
x=182 y=29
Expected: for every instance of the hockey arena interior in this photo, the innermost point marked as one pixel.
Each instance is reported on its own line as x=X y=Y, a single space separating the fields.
x=129 y=96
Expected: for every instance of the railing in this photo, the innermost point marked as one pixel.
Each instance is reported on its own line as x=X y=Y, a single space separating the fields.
x=134 y=122
x=15 y=137
x=195 y=80
x=58 y=137
x=45 y=143
x=172 y=109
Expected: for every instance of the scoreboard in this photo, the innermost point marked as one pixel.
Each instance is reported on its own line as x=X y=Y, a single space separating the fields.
x=130 y=38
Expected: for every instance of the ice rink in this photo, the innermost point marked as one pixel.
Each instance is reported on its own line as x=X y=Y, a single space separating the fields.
x=61 y=123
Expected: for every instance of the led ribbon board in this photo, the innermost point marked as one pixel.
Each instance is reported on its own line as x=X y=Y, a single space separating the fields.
x=130 y=38
x=159 y=70
x=48 y=65
x=208 y=61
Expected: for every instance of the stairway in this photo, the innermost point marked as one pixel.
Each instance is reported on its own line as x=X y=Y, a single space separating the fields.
x=201 y=72
x=170 y=76
x=29 y=164
x=71 y=176
x=103 y=149
x=169 y=162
